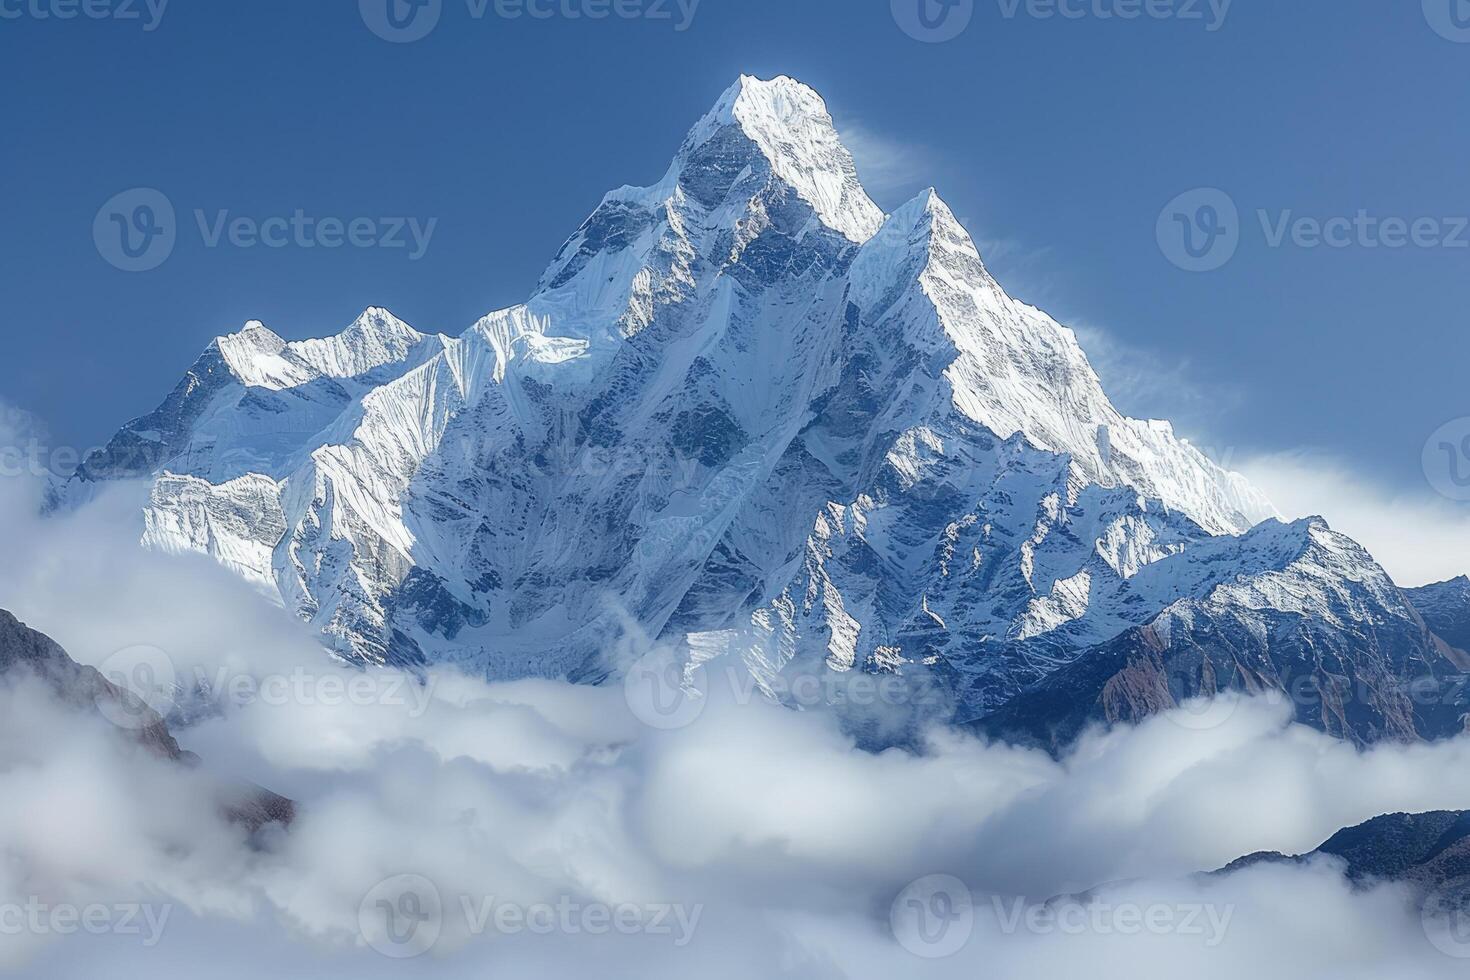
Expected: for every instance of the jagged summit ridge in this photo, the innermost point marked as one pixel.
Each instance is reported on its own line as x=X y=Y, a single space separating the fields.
x=790 y=124
x=739 y=398
x=1017 y=370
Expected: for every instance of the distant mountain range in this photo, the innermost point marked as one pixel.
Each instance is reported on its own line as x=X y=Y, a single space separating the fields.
x=747 y=413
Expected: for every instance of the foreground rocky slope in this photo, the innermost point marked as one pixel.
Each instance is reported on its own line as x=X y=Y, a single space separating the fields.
x=25 y=653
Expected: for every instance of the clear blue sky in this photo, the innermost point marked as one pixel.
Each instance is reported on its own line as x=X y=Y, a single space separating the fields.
x=1057 y=141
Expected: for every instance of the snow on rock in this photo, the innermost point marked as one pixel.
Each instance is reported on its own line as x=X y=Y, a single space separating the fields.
x=741 y=402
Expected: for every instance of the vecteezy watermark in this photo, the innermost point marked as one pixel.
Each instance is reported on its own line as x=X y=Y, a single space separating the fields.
x=1449 y=18
x=1203 y=713
x=137 y=230
x=1200 y=230
x=405 y=917
x=934 y=917
x=401 y=21
x=402 y=917
x=1210 y=13
x=302 y=230
x=1446 y=917
x=666 y=692
x=1097 y=917
x=37 y=918
x=148 y=682
x=1447 y=460
x=158 y=687
x=38 y=458
x=149 y=13
x=933 y=21
x=1364 y=230
x=936 y=21
x=224 y=688
x=406 y=21
x=1309 y=691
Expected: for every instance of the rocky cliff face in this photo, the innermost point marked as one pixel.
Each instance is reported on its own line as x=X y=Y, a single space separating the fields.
x=27 y=653
x=1446 y=610
x=1327 y=633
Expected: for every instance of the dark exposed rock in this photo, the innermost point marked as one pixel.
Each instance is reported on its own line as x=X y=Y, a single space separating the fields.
x=24 y=651
x=1430 y=851
x=1366 y=680
x=1446 y=609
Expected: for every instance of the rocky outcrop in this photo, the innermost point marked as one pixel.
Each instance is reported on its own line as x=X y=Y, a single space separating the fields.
x=1329 y=634
x=24 y=652
x=1428 y=851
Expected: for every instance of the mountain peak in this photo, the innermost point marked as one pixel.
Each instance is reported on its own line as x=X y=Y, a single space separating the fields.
x=256 y=332
x=789 y=122
x=782 y=97
x=925 y=212
x=377 y=323
x=376 y=338
x=916 y=235
x=249 y=344
x=719 y=334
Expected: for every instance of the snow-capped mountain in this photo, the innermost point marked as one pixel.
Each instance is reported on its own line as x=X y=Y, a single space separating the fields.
x=1318 y=625
x=742 y=402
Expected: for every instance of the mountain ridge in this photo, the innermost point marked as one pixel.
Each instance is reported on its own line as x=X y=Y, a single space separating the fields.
x=740 y=399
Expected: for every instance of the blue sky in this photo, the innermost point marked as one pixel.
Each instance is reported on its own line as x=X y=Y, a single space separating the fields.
x=1057 y=140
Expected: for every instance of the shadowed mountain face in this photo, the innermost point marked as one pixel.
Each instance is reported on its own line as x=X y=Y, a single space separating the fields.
x=748 y=414
x=1350 y=654
x=23 y=651
x=27 y=653
x=1446 y=609
x=1430 y=851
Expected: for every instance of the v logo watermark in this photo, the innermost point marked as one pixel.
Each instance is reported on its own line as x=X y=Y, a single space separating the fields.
x=136 y=230
x=403 y=13
x=401 y=21
x=1449 y=18
x=1447 y=460
x=1205 y=220
x=933 y=21
x=1199 y=231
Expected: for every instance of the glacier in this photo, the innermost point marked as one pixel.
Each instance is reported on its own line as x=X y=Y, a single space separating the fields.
x=742 y=402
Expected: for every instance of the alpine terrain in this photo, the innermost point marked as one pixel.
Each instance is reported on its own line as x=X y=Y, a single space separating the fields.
x=747 y=413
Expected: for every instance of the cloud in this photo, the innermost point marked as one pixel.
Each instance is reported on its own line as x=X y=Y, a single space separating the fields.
x=1147 y=383
x=780 y=844
x=520 y=821
x=1418 y=538
x=891 y=170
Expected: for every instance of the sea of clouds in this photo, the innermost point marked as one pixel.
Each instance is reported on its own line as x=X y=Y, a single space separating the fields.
x=452 y=828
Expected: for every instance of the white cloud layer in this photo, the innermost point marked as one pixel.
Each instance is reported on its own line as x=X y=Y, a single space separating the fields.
x=760 y=839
